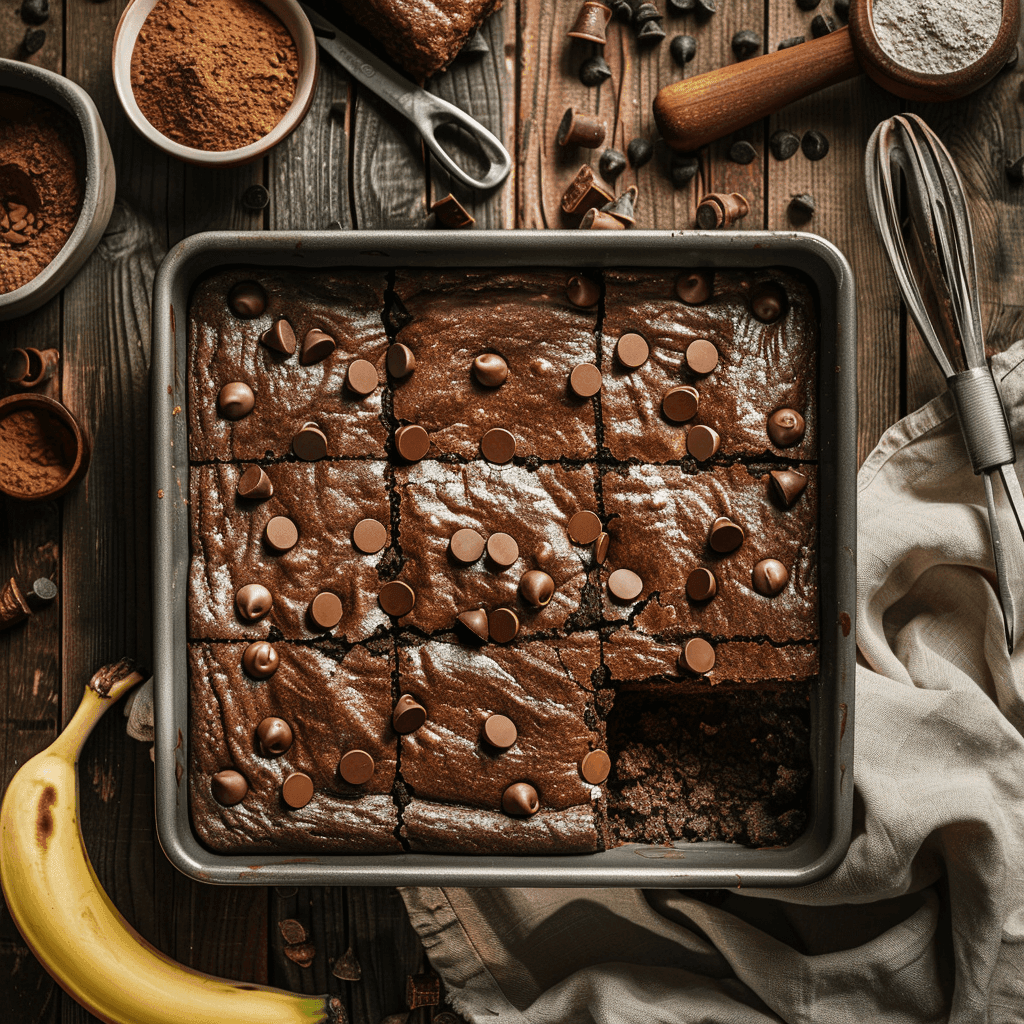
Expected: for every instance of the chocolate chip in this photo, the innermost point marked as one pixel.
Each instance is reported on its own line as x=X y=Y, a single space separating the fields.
x=783 y=144
x=682 y=169
x=409 y=715
x=396 y=598
x=725 y=535
x=842 y=9
x=503 y=625
x=310 y=443
x=632 y=351
x=625 y=585
x=801 y=207
x=475 y=623
x=623 y=207
x=274 y=736
x=502 y=549
x=584 y=527
x=229 y=787
x=401 y=360
x=598 y=220
x=254 y=485
x=595 y=767
x=651 y=33
x=785 y=428
x=742 y=153
x=33 y=41
x=297 y=790
x=822 y=25
x=623 y=10
x=645 y=11
x=770 y=577
x=260 y=660
x=356 y=767
x=578 y=129
x=639 y=152
x=474 y=48
x=814 y=144
x=362 y=378
x=746 y=43
x=35 y=12
x=768 y=302
x=583 y=193
x=498 y=446
x=791 y=41
x=500 y=732
x=585 y=380
x=680 y=404
x=281 y=534
x=611 y=164
x=698 y=656
x=304 y=954
x=490 y=370
x=701 y=356
x=601 y=547
x=682 y=49
x=317 y=345
x=325 y=610
x=807 y=5
x=247 y=300
x=450 y=213
x=253 y=602
x=594 y=71
x=582 y=291
x=369 y=536
x=520 y=799
x=701 y=585
x=235 y=400
x=412 y=442
x=684 y=5
x=702 y=442
x=255 y=197
x=787 y=485
x=694 y=287
x=536 y=587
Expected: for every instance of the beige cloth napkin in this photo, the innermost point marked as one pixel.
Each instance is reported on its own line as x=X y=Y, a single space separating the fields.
x=924 y=919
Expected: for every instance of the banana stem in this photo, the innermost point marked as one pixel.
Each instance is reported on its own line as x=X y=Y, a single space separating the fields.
x=93 y=706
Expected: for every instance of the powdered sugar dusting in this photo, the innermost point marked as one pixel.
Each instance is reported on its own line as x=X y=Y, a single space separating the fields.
x=934 y=37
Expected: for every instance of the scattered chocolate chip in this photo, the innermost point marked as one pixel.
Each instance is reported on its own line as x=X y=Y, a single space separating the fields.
x=591 y=22
x=623 y=10
x=412 y=442
x=770 y=577
x=500 y=732
x=683 y=5
x=274 y=736
x=594 y=71
x=742 y=152
x=807 y=5
x=682 y=169
x=466 y=546
x=317 y=345
x=791 y=41
x=611 y=164
x=698 y=656
x=229 y=787
x=502 y=549
x=536 y=587
x=623 y=208
x=701 y=585
x=235 y=400
x=473 y=49
x=584 y=527
x=422 y=990
x=746 y=43
x=35 y=12
x=33 y=41
x=310 y=443
x=280 y=337
x=595 y=767
x=707 y=6
x=253 y=602
x=639 y=152
x=725 y=535
x=625 y=585
x=645 y=11
x=785 y=428
x=356 y=768
x=720 y=210
x=1015 y=170
x=281 y=534
x=701 y=356
x=682 y=49
x=787 y=485
x=260 y=660
x=601 y=546
x=520 y=799
x=768 y=302
x=582 y=291
x=490 y=370
x=814 y=144
x=369 y=536
x=694 y=287
x=450 y=213
x=247 y=300
x=293 y=932
x=578 y=129
x=842 y=9
x=680 y=404
x=409 y=715
x=801 y=207
x=325 y=610
x=503 y=625
x=255 y=197
x=583 y=193
x=347 y=967
x=498 y=446
x=297 y=791
x=396 y=598
x=400 y=360
x=600 y=221
x=305 y=953
x=361 y=378
x=585 y=380
x=474 y=623
x=632 y=351
x=822 y=25
x=702 y=442
x=651 y=33
x=783 y=144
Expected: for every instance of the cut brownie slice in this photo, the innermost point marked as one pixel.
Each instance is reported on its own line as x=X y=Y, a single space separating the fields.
x=332 y=705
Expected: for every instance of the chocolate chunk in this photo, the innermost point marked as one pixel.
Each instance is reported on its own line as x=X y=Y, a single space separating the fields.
x=683 y=49
x=450 y=213
x=310 y=443
x=680 y=404
x=490 y=370
x=701 y=585
x=247 y=300
x=584 y=193
x=362 y=378
x=585 y=380
x=623 y=10
x=229 y=787
x=303 y=954
x=645 y=11
x=536 y=587
x=623 y=208
x=235 y=400
x=584 y=527
x=591 y=22
x=474 y=623
x=401 y=360
x=594 y=71
x=317 y=345
x=595 y=767
x=500 y=731
x=698 y=656
x=396 y=598
x=807 y=5
x=822 y=25
x=412 y=442
x=785 y=428
x=325 y=610
x=625 y=585
x=253 y=602
x=369 y=536
x=582 y=291
x=598 y=220
x=498 y=446
x=721 y=209
x=254 y=485
x=32 y=43
x=651 y=33
x=274 y=736
x=632 y=351
x=347 y=967
x=842 y=10
x=701 y=356
x=790 y=41
x=293 y=932
x=611 y=164
x=694 y=287
x=768 y=302
x=503 y=625
x=742 y=152
x=280 y=337
x=260 y=660
x=409 y=715
x=601 y=546
x=815 y=145
x=801 y=207
x=783 y=144
x=466 y=546
x=745 y=44
x=702 y=442
x=421 y=990
x=255 y=197
x=281 y=534
x=502 y=549
x=725 y=535
x=297 y=790
x=787 y=485
x=639 y=152
x=770 y=577
x=356 y=767
x=520 y=799
x=580 y=130
x=682 y=169
x=35 y=12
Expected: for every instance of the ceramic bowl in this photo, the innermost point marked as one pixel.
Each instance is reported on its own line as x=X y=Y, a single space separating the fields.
x=98 y=184
x=291 y=15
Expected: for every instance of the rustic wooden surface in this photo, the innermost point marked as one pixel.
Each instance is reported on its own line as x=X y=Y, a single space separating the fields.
x=351 y=165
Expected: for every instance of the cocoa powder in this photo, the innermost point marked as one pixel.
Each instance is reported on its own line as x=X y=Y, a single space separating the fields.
x=37 y=452
x=40 y=185
x=214 y=74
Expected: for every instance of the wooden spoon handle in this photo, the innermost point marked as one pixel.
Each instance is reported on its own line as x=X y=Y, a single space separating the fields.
x=698 y=110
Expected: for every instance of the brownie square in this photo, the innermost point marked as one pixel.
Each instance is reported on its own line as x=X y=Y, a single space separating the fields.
x=525 y=318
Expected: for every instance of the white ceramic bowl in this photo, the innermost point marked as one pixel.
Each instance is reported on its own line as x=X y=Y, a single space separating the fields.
x=97 y=191
x=294 y=19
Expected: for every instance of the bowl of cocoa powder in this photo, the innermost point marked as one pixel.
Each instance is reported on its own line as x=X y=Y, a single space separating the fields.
x=219 y=82
x=43 y=450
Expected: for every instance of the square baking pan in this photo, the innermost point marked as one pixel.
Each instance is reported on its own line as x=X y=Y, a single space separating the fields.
x=679 y=865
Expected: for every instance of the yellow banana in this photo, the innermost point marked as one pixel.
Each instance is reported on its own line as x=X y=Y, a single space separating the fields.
x=71 y=925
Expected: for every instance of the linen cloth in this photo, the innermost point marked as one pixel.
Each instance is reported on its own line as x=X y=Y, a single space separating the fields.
x=924 y=919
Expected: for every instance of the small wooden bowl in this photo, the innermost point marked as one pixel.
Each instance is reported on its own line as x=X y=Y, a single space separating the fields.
x=42 y=404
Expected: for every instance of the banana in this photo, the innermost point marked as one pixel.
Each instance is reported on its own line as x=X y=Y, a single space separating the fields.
x=72 y=926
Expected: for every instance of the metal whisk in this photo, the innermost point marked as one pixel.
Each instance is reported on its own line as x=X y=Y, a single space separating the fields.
x=947 y=314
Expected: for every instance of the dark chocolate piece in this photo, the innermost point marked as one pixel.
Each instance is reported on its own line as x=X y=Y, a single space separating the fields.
x=466 y=546
x=297 y=790
x=786 y=428
x=396 y=598
x=680 y=403
x=253 y=602
x=310 y=443
x=401 y=361
x=502 y=549
x=260 y=659
x=490 y=370
x=632 y=351
x=520 y=799
x=500 y=731
x=595 y=767
x=326 y=610
x=409 y=715
x=770 y=577
x=274 y=736
x=356 y=768
x=235 y=400
x=281 y=534
x=585 y=380
x=412 y=442
x=502 y=625
x=702 y=442
x=698 y=656
x=247 y=300
x=317 y=345
x=536 y=587
x=584 y=527
x=369 y=536
x=725 y=535
x=229 y=787
x=498 y=446
x=701 y=356
x=255 y=485
x=280 y=337
x=701 y=585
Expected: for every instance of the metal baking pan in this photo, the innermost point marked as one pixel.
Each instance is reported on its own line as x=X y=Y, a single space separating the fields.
x=682 y=865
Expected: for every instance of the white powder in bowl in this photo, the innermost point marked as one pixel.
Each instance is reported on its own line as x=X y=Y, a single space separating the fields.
x=934 y=37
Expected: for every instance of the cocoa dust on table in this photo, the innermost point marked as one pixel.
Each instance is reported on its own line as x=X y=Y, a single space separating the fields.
x=214 y=75
x=37 y=452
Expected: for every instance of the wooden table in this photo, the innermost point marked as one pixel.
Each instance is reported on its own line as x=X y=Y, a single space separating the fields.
x=351 y=166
